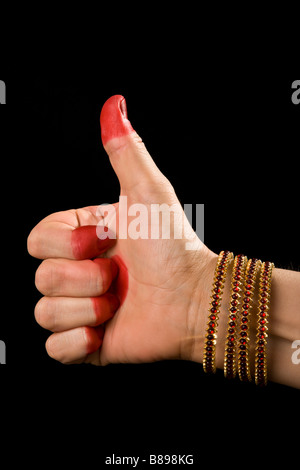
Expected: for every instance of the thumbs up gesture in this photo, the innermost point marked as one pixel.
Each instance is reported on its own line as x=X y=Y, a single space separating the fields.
x=118 y=282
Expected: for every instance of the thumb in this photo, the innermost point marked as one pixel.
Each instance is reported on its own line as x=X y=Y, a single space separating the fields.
x=128 y=155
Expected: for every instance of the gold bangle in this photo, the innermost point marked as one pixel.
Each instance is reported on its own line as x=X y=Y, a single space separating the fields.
x=253 y=267
x=237 y=282
x=209 y=355
x=262 y=323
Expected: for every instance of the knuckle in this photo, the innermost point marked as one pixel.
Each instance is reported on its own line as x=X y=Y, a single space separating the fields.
x=34 y=243
x=44 y=314
x=54 y=350
x=31 y=243
x=50 y=348
x=44 y=277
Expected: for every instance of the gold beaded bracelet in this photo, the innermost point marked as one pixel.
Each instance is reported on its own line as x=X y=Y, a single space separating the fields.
x=237 y=283
x=209 y=355
x=244 y=339
x=244 y=275
x=262 y=323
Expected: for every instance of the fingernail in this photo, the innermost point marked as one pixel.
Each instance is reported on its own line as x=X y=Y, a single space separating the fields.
x=105 y=233
x=123 y=108
x=113 y=119
x=94 y=337
x=90 y=241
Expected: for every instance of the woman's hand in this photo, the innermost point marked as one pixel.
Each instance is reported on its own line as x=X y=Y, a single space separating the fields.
x=130 y=299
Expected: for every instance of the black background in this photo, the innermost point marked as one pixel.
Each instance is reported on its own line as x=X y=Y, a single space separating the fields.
x=226 y=137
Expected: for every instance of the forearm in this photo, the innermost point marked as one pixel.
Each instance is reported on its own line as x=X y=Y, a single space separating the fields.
x=283 y=327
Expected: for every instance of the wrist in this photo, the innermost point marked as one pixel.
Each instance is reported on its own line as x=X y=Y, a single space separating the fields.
x=199 y=307
x=196 y=316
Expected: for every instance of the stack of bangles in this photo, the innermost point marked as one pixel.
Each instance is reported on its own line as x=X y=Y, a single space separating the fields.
x=247 y=278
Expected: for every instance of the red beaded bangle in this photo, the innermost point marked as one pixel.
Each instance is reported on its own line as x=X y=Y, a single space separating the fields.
x=262 y=323
x=209 y=355
x=244 y=338
x=237 y=282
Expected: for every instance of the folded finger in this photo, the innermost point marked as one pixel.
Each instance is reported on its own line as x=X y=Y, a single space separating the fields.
x=59 y=236
x=74 y=345
x=70 y=278
x=65 y=313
